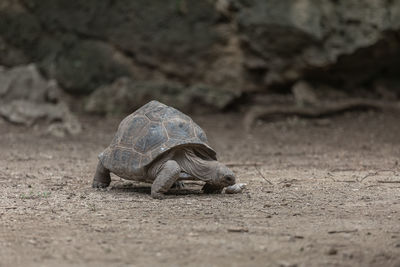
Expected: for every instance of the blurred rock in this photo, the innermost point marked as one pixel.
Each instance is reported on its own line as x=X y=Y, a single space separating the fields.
x=342 y=42
x=209 y=98
x=87 y=44
x=304 y=94
x=85 y=65
x=11 y=56
x=236 y=45
x=25 y=83
x=125 y=95
x=389 y=90
x=26 y=98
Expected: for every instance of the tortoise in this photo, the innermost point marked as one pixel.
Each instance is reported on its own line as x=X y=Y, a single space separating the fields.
x=161 y=145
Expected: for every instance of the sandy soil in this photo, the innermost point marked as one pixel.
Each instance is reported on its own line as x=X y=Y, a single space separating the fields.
x=327 y=193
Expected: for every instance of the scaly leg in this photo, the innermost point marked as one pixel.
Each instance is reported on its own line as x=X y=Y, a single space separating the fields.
x=102 y=177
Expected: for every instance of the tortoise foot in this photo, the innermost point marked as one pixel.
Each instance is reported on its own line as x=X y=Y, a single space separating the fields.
x=157 y=195
x=97 y=184
x=102 y=178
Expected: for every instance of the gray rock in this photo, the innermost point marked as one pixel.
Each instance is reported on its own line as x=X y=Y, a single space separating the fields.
x=208 y=97
x=125 y=95
x=85 y=65
x=25 y=83
x=11 y=56
x=304 y=94
x=80 y=44
x=26 y=98
x=336 y=41
x=237 y=45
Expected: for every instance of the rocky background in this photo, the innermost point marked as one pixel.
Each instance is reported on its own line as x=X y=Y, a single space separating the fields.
x=112 y=56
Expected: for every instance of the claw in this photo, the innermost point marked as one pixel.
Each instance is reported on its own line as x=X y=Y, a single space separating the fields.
x=99 y=184
x=157 y=195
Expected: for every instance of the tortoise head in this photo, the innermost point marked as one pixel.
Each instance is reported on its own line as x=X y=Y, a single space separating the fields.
x=219 y=177
x=222 y=176
x=207 y=169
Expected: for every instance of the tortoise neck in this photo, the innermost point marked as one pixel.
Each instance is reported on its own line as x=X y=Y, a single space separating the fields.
x=205 y=170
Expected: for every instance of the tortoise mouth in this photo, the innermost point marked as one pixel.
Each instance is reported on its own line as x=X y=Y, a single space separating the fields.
x=229 y=180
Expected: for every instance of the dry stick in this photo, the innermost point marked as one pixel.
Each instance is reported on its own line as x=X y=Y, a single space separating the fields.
x=368 y=175
x=238 y=230
x=323 y=109
x=268 y=181
x=254 y=164
x=342 y=231
x=376 y=173
x=236 y=164
x=388 y=182
x=342 y=170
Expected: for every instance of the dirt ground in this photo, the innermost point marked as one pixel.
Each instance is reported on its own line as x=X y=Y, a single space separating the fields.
x=326 y=193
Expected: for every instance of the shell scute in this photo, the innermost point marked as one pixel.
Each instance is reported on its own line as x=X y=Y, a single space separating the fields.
x=179 y=129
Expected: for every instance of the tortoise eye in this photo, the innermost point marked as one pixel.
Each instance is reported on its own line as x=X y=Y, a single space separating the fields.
x=229 y=178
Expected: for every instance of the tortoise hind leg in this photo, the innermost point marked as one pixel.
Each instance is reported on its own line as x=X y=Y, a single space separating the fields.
x=102 y=177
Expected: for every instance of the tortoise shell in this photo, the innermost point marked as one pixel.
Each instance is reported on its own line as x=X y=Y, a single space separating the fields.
x=148 y=133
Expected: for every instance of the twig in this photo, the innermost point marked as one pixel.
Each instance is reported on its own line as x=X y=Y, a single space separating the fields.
x=287 y=181
x=259 y=172
x=388 y=182
x=238 y=230
x=322 y=110
x=234 y=164
x=9 y=208
x=368 y=175
x=342 y=170
x=342 y=231
x=376 y=173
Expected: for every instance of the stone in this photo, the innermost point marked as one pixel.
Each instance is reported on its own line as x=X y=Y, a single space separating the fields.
x=235 y=189
x=340 y=42
x=26 y=98
x=234 y=45
x=79 y=44
x=125 y=95
x=304 y=94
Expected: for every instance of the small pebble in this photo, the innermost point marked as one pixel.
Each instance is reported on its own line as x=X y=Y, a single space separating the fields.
x=235 y=189
x=238 y=230
x=332 y=251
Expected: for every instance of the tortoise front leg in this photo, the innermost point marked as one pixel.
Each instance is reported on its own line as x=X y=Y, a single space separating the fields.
x=165 y=178
x=102 y=177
